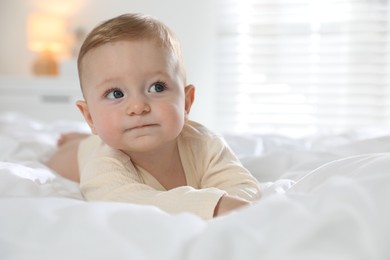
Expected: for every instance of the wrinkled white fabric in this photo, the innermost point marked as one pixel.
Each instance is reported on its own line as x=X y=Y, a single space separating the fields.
x=336 y=207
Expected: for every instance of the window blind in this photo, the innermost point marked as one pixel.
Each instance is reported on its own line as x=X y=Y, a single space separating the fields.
x=301 y=66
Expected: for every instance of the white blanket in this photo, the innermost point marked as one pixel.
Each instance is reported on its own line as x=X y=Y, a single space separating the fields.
x=337 y=209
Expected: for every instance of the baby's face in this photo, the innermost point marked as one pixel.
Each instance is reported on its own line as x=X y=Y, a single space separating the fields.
x=135 y=97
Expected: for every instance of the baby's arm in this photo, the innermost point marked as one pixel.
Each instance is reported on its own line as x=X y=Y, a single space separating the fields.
x=229 y=203
x=224 y=171
x=206 y=203
x=107 y=180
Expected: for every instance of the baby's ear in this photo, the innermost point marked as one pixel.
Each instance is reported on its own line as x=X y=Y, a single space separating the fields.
x=189 y=97
x=83 y=107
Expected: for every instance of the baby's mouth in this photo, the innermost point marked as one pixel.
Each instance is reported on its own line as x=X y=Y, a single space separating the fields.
x=142 y=126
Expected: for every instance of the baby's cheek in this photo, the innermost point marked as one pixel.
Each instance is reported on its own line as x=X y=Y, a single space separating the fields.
x=106 y=129
x=176 y=113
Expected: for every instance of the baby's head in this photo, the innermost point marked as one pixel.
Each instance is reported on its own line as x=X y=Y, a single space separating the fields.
x=133 y=82
x=132 y=27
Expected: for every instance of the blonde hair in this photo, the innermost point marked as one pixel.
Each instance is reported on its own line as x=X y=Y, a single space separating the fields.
x=132 y=27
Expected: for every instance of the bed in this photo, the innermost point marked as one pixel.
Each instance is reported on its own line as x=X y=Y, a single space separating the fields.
x=324 y=197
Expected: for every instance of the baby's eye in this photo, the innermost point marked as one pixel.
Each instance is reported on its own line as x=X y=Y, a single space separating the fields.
x=114 y=94
x=157 y=87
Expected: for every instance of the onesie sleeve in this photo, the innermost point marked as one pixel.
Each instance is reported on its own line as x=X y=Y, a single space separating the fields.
x=114 y=178
x=223 y=170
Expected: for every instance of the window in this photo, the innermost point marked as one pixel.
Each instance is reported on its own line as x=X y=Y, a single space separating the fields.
x=302 y=66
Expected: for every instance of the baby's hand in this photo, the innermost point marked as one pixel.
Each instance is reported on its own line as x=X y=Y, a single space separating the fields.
x=228 y=203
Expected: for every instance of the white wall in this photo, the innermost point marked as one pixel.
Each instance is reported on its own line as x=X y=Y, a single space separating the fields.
x=192 y=21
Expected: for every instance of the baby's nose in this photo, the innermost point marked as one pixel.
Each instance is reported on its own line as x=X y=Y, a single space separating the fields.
x=138 y=107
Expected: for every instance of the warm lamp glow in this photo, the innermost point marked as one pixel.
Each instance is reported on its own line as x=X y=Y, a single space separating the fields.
x=47 y=32
x=47 y=36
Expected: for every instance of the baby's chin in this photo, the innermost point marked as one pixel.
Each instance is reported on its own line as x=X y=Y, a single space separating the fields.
x=146 y=144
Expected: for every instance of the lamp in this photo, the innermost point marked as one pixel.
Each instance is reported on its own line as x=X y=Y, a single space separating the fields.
x=47 y=36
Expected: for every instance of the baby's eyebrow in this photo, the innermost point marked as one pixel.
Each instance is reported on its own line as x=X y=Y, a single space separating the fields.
x=105 y=82
x=158 y=73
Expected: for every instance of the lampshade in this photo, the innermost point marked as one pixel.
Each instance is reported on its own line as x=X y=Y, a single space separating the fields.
x=47 y=32
x=47 y=35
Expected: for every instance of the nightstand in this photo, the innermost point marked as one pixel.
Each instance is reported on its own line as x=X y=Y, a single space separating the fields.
x=42 y=98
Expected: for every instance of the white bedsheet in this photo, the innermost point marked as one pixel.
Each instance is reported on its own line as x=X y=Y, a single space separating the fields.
x=339 y=210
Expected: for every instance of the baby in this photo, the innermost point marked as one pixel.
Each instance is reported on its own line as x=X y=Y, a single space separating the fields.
x=144 y=149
